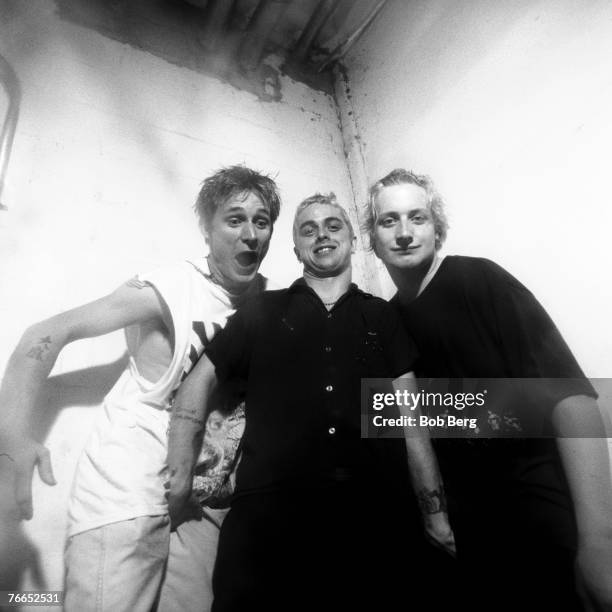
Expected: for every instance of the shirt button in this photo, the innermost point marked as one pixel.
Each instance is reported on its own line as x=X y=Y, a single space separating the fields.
x=329 y=315
x=329 y=388
x=328 y=349
x=331 y=431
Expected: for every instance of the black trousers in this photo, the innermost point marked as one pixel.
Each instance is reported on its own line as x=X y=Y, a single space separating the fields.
x=325 y=549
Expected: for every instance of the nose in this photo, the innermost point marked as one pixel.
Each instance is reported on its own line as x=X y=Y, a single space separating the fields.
x=322 y=233
x=248 y=235
x=404 y=236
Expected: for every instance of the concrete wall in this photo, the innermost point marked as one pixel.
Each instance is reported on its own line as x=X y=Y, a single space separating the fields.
x=111 y=146
x=506 y=105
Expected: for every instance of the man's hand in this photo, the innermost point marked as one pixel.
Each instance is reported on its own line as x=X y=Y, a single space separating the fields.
x=438 y=531
x=594 y=574
x=435 y=518
x=181 y=507
x=25 y=454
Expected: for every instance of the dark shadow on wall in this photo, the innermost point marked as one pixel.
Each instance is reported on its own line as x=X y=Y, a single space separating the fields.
x=86 y=387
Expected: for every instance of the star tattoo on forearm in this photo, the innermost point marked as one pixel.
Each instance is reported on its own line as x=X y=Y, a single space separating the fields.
x=40 y=350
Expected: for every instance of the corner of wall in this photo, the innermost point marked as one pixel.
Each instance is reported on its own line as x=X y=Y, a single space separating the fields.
x=355 y=160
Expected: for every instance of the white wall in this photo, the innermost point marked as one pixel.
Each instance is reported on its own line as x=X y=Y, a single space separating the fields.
x=506 y=105
x=111 y=147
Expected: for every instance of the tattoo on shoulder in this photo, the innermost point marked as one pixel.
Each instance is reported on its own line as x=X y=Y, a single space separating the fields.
x=432 y=501
x=40 y=349
x=136 y=283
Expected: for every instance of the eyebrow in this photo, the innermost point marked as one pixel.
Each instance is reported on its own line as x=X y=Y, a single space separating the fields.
x=326 y=220
x=237 y=209
x=412 y=211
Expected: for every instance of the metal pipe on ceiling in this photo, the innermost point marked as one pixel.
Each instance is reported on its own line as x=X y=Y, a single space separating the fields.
x=10 y=82
x=262 y=24
x=320 y=16
x=342 y=49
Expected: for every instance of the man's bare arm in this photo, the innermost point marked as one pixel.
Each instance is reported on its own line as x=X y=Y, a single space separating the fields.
x=33 y=359
x=187 y=427
x=425 y=473
x=587 y=466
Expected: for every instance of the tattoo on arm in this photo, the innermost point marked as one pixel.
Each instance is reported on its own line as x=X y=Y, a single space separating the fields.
x=188 y=417
x=136 y=283
x=40 y=349
x=432 y=501
x=181 y=410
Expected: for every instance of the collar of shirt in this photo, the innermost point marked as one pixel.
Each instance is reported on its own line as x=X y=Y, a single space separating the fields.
x=300 y=286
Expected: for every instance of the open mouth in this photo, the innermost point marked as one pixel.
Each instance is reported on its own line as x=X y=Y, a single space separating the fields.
x=247 y=258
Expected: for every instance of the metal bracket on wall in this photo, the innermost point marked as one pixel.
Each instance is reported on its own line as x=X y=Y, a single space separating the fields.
x=10 y=82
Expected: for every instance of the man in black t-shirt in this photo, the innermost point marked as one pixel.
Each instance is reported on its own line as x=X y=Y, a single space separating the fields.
x=509 y=499
x=315 y=505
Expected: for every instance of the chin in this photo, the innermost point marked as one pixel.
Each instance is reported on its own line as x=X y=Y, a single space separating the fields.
x=400 y=264
x=245 y=279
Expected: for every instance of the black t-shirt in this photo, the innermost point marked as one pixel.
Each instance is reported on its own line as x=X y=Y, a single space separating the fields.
x=300 y=367
x=475 y=320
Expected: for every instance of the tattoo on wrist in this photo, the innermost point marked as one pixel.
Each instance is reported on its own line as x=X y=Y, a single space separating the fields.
x=432 y=501
x=136 y=283
x=40 y=349
x=182 y=410
x=188 y=417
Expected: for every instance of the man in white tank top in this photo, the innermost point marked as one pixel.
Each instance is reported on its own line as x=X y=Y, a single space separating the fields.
x=120 y=554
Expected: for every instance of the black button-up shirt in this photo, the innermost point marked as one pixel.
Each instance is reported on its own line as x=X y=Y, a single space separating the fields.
x=301 y=366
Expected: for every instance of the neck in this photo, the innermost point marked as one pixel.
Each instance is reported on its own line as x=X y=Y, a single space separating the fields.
x=411 y=282
x=329 y=288
x=233 y=288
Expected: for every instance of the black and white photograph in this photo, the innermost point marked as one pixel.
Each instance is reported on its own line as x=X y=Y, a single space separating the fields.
x=305 y=305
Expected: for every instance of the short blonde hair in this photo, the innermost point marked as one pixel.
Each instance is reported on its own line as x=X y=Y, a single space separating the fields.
x=399 y=176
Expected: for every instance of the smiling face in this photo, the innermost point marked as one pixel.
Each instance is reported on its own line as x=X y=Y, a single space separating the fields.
x=238 y=236
x=324 y=242
x=404 y=235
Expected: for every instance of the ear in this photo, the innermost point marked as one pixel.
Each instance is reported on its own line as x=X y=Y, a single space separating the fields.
x=204 y=232
x=297 y=254
x=353 y=244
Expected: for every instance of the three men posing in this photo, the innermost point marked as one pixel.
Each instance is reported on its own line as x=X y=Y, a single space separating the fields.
x=304 y=471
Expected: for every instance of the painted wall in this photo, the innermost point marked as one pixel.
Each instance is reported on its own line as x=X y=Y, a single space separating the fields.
x=111 y=147
x=506 y=105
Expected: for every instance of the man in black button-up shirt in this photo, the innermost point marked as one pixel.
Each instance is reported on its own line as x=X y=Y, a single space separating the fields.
x=298 y=527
